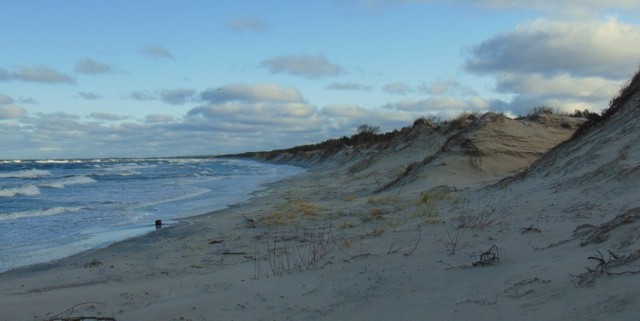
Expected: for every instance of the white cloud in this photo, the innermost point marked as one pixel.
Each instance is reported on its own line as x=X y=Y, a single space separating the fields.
x=564 y=85
x=347 y=86
x=344 y=119
x=8 y=110
x=442 y=106
x=251 y=93
x=303 y=66
x=246 y=109
x=447 y=87
x=561 y=64
x=5 y=100
x=27 y=100
x=346 y=111
x=11 y=111
x=156 y=51
x=107 y=116
x=276 y=116
x=37 y=74
x=89 y=95
x=141 y=95
x=158 y=118
x=91 y=67
x=609 y=49
x=572 y=7
x=523 y=104
x=4 y=74
x=252 y=24
x=177 y=96
x=397 y=88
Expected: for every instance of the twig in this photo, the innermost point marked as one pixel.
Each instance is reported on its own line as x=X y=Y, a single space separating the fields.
x=233 y=253
x=453 y=243
x=392 y=250
x=415 y=247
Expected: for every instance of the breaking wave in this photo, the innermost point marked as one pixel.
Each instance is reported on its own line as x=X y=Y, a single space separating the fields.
x=37 y=213
x=27 y=173
x=71 y=180
x=28 y=190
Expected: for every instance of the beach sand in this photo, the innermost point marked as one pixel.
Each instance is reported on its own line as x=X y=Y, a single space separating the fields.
x=381 y=235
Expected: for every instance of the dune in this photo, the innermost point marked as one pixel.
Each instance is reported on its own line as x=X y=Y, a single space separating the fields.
x=483 y=218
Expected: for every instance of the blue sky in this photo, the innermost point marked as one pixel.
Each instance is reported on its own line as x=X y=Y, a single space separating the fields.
x=168 y=78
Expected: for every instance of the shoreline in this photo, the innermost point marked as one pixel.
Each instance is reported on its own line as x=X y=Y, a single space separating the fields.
x=142 y=228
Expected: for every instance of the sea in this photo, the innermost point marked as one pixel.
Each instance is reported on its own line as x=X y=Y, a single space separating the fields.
x=51 y=209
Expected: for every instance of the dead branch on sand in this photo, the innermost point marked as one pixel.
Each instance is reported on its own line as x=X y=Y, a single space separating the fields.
x=489 y=257
x=284 y=258
x=605 y=267
x=393 y=250
x=415 y=247
x=530 y=229
x=453 y=242
x=492 y=212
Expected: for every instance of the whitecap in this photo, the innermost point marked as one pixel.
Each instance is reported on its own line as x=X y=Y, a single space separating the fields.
x=27 y=173
x=71 y=180
x=37 y=213
x=28 y=190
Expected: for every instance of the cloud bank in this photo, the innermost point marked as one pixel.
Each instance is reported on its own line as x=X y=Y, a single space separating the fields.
x=566 y=65
x=8 y=110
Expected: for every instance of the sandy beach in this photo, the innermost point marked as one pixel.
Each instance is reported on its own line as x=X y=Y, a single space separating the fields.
x=490 y=221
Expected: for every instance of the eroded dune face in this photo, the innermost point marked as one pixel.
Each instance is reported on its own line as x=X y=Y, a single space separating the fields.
x=469 y=151
x=605 y=152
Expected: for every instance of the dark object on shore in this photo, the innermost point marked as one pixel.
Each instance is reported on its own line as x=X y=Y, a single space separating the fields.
x=251 y=223
x=490 y=257
x=158 y=224
x=93 y=264
x=233 y=253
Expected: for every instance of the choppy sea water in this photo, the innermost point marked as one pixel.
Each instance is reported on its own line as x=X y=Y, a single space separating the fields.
x=50 y=209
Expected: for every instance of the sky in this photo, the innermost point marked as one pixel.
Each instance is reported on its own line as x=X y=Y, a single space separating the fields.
x=121 y=78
